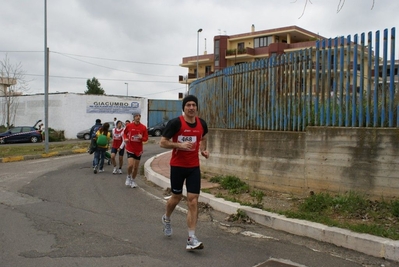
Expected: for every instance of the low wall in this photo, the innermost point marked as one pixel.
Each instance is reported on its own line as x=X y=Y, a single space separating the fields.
x=322 y=159
x=70 y=112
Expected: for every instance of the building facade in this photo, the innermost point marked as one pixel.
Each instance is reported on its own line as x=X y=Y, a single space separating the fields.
x=247 y=47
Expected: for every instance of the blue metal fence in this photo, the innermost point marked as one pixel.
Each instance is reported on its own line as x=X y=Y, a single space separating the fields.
x=339 y=82
x=163 y=110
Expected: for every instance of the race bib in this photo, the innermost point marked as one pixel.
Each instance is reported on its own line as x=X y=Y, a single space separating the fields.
x=117 y=137
x=191 y=139
x=135 y=138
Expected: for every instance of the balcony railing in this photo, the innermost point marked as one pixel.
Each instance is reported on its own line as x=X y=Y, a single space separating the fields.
x=244 y=51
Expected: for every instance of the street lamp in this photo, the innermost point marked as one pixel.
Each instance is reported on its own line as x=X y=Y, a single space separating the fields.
x=200 y=30
x=127 y=89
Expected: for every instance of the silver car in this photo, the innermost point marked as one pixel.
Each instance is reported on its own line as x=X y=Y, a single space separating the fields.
x=85 y=134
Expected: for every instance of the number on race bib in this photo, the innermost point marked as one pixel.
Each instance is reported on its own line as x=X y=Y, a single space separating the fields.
x=191 y=139
x=187 y=139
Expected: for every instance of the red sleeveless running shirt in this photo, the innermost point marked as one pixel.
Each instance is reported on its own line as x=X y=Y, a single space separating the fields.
x=182 y=157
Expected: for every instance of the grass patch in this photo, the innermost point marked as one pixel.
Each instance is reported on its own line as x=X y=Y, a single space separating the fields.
x=11 y=150
x=351 y=211
x=231 y=183
x=258 y=195
x=235 y=190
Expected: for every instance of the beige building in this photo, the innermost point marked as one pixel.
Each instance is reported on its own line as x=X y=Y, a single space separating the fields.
x=255 y=45
x=247 y=47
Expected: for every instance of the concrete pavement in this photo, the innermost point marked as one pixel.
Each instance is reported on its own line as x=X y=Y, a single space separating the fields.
x=157 y=171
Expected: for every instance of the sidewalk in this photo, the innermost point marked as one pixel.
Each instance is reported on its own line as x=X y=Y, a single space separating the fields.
x=157 y=171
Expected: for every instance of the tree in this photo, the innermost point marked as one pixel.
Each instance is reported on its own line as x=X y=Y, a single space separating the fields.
x=94 y=87
x=341 y=4
x=12 y=85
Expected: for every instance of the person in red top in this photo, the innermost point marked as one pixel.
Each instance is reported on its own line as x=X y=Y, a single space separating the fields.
x=118 y=146
x=134 y=135
x=187 y=136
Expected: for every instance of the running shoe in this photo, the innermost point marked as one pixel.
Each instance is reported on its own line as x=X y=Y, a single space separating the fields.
x=95 y=169
x=133 y=184
x=193 y=243
x=102 y=170
x=120 y=171
x=128 y=181
x=114 y=171
x=167 y=226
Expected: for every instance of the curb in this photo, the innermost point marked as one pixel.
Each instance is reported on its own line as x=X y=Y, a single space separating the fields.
x=368 y=244
x=52 y=154
x=44 y=155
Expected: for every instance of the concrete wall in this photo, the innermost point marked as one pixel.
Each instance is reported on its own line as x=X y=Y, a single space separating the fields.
x=69 y=112
x=322 y=159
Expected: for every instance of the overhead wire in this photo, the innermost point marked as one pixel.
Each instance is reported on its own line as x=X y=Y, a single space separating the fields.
x=73 y=56
x=119 y=60
x=94 y=64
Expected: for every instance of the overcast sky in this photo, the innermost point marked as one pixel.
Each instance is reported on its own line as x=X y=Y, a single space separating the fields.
x=142 y=43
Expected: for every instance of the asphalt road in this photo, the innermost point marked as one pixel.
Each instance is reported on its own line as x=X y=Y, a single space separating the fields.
x=56 y=212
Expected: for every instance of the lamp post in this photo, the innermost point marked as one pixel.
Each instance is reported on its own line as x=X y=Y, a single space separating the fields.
x=46 y=79
x=199 y=30
x=127 y=89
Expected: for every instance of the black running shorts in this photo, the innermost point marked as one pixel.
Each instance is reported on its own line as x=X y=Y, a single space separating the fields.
x=192 y=176
x=132 y=155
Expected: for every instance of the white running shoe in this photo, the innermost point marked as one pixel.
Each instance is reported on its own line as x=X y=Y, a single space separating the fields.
x=133 y=184
x=167 y=226
x=193 y=243
x=114 y=171
x=102 y=170
x=119 y=171
x=95 y=169
x=128 y=181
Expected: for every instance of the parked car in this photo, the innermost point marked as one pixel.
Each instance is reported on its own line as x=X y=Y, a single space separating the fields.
x=85 y=134
x=157 y=129
x=21 y=134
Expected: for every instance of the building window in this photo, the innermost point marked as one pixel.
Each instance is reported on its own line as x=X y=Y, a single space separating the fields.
x=240 y=47
x=208 y=70
x=216 y=53
x=263 y=41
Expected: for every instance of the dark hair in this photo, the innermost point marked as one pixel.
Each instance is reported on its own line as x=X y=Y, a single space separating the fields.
x=105 y=128
x=98 y=121
x=128 y=121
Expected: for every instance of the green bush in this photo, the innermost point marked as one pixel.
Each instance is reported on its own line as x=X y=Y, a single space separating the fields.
x=316 y=203
x=55 y=136
x=395 y=208
x=234 y=185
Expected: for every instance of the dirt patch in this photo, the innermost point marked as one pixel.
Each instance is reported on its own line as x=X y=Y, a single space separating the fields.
x=270 y=200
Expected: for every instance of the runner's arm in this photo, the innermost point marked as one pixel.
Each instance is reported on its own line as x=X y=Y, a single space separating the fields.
x=168 y=143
